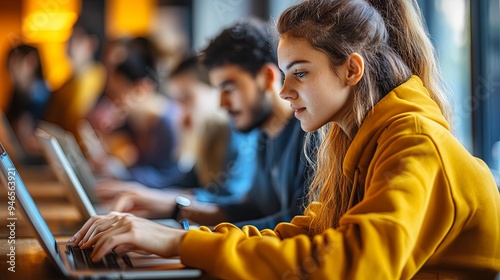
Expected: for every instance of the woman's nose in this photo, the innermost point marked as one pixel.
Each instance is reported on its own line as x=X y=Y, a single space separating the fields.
x=286 y=92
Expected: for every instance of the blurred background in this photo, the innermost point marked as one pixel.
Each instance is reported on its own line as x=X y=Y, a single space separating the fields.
x=466 y=34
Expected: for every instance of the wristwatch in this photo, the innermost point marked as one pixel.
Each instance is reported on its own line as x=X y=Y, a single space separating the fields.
x=180 y=202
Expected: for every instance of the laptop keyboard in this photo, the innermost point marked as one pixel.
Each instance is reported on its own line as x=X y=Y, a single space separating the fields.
x=82 y=259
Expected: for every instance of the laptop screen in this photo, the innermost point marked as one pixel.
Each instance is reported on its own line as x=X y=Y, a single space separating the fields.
x=65 y=173
x=12 y=179
x=75 y=157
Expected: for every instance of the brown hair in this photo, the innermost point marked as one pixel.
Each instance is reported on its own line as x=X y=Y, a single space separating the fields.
x=391 y=38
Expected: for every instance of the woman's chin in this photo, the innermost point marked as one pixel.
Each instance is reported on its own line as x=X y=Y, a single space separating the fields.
x=309 y=127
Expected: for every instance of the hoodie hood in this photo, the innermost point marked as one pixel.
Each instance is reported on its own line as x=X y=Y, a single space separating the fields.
x=409 y=98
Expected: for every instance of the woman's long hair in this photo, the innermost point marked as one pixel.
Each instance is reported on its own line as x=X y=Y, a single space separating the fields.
x=393 y=41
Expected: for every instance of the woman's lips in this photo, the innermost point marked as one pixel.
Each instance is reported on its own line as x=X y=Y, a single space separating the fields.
x=298 y=110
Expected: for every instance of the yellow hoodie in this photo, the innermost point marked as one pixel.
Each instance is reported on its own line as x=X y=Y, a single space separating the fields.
x=428 y=206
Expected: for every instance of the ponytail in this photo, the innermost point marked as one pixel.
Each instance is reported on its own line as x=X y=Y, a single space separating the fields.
x=409 y=38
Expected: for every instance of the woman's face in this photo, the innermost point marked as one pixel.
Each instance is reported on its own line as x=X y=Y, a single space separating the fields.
x=316 y=94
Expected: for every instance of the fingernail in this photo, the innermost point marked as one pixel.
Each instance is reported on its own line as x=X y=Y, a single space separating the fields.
x=71 y=239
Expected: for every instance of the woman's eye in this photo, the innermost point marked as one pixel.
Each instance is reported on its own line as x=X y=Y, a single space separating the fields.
x=228 y=90
x=300 y=74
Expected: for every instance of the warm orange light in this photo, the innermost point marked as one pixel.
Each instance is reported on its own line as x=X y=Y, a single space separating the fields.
x=52 y=27
x=129 y=17
x=57 y=67
x=48 y=21
x=48 y=25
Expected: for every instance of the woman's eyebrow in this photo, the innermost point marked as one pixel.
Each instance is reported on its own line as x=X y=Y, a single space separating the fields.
x=291 y=64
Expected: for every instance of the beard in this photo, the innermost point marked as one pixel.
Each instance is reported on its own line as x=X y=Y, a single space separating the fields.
x=259 y=112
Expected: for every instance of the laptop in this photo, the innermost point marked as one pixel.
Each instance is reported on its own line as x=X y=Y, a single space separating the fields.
x=77 y=193
x=73 y=153
x=65 y=174
x=75 y=263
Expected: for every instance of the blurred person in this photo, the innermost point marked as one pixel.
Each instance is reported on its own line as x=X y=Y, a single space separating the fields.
x=74 y=100
x=395 y=194
x=106 y=116
x=114 y=53
x=29 y=98
x=222 y=159
x=242 y=65
x=142 y=119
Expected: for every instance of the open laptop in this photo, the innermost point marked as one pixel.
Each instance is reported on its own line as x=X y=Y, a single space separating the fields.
x=73 y=153
x=74 y=263
x=78 y=194
x=65 y=174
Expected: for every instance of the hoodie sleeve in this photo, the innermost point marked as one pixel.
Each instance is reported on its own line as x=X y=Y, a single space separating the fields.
x=376 y=239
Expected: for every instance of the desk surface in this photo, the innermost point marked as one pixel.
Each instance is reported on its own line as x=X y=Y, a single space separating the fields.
x=31 y=261
x=63 y=219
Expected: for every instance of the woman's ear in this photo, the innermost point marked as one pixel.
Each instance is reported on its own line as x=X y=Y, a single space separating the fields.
x=355 y=67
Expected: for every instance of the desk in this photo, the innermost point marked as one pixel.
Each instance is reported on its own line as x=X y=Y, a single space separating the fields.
x=31 y=261
x=62 y=218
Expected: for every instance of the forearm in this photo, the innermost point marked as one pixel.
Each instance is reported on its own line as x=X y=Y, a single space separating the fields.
x=231 y=253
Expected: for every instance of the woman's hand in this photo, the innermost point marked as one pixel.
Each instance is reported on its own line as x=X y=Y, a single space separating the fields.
x=124 y=233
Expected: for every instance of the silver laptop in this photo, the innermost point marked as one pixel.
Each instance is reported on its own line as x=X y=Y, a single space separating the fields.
x=65 y=174
x=74 y=155
x=77 y=193
x=75 y=263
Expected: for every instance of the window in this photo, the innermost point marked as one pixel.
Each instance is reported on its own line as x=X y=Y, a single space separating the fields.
x=486 y=80
x=466 y=35
x=448 y=23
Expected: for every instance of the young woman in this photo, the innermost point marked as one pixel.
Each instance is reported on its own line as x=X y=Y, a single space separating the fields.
x=395 y=195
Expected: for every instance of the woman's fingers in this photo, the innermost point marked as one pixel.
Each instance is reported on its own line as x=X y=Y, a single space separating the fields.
x=125 y=233
x=95 y=225
x=114 y=237
x=81 y=233
x=100 y=225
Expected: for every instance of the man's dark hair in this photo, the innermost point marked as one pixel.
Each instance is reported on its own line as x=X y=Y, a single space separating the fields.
x=248 y=44
x=140 y=62
x=192 y=65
